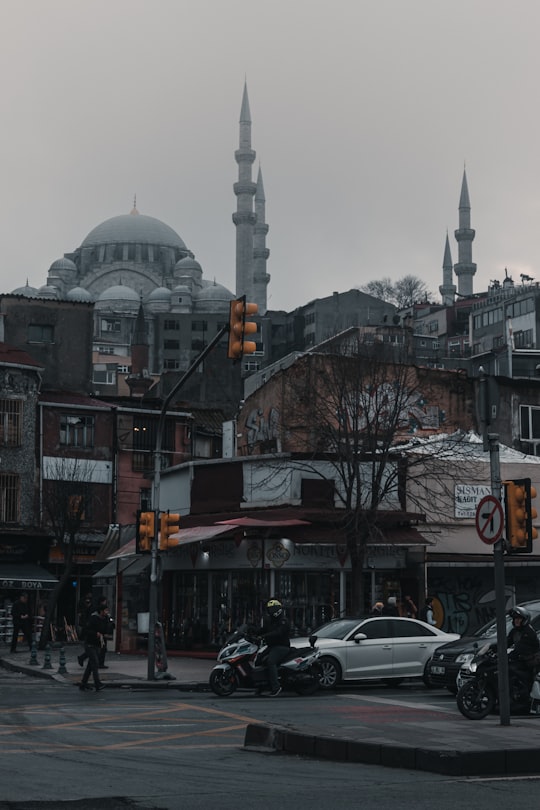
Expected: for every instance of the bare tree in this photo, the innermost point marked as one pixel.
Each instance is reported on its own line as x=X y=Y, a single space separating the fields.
x=382 y=288
x=67 y=490
x=410 y=290
x=351 y=418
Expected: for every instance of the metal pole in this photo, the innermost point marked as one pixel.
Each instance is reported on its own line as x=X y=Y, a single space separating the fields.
x=154 y=577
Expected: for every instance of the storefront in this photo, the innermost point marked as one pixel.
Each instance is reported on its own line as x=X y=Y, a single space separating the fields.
x=16 y=578
x=209 y=586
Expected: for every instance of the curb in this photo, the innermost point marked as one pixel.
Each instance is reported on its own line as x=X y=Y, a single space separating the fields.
x=447 y=762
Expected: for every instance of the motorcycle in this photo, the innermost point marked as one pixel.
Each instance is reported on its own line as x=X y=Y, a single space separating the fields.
x=241 y=665
x=479 y=695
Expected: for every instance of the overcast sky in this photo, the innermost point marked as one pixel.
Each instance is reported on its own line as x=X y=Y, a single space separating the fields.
x=364 y=114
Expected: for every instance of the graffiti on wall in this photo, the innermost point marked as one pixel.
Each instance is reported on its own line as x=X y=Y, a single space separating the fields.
x=464 y=602
x=262 y=426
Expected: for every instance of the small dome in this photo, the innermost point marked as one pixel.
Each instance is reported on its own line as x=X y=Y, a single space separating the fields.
x=48 y=291
x=27 y=290
x=182 y=289
x=160 y=294
x=78 y=294
x=119 y=293
x=63 y=264
x=213 y=298
x=188 y=265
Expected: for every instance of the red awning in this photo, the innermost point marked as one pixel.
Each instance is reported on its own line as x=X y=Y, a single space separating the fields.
x=193 y=535
x=262 y=524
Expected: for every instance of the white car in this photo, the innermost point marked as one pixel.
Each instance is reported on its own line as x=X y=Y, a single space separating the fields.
x=387 y=647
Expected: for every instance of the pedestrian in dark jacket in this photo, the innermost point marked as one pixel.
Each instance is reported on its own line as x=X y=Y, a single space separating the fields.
x=276 y=633
x=96 y=629
x=108 y=634
x=391 y=608
x=22 y=621
x=85 y=611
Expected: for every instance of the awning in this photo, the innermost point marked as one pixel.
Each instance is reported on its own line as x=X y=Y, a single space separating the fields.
x=131 y=566
x=263 y=524
x=26 y=577
x=184 y=536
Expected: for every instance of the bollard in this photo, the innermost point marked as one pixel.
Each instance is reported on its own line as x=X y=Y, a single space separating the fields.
x=33 y=655
x=62 y=668
x=47 y=662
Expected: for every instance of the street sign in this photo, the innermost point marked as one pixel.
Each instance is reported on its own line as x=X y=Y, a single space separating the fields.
x=489 y=519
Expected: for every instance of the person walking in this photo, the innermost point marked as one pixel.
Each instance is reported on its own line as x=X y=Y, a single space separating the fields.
x=85 y=611
x=409 y=608
x=22 y=621
x=95 y=631
x=110 y=630
x=391 y=608
x=426 y=612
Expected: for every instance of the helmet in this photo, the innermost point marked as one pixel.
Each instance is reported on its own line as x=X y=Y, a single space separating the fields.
x=274 y=608
x=520 y=613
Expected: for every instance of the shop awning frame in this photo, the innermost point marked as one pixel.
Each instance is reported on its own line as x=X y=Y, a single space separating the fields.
x=26 y=576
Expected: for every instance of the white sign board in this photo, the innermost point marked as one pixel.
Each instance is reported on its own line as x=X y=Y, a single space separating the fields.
x=467 y=497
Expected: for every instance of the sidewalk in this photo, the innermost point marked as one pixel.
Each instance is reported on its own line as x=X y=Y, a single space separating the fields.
x=422 y=738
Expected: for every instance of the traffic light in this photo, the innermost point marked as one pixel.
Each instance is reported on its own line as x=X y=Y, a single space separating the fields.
x=146 y=529
x=518 y=497
x=239 y=328
x=169 y=524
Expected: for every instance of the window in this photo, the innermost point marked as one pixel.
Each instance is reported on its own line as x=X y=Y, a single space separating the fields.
x=105 y=349
x=109 y=325
x=10 y=422
x=199 y=326
x=104 y=377
x=171 y=326
x=529 y=418
x=410 y=629
x=171 y=344
x=77 y=431
x=40 y=333
x=171 y=364
x=9 y=498
x=198 y=345
x=382 y=628
x=123 y=369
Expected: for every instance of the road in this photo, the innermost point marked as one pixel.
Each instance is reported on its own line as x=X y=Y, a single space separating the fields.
x=63 y=749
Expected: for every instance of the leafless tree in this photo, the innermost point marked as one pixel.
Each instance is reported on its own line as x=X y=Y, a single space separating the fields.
x=382 y=288
x=407 y=290
x=357 y=418
x=67 y=491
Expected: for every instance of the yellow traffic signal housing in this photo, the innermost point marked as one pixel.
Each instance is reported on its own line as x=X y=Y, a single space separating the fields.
x=169 y=525
x=239 y=328
x=146 y=530
x=520 y=513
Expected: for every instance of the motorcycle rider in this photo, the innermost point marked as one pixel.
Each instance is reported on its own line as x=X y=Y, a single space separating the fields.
x=524 y=641
x=276 y=632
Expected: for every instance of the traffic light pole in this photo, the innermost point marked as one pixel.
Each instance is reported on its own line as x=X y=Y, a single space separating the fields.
x=155 y=576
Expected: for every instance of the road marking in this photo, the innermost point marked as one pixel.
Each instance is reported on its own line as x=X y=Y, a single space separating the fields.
x=428 y=707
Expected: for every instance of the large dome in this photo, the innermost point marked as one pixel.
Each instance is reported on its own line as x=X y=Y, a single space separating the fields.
x=135 y=228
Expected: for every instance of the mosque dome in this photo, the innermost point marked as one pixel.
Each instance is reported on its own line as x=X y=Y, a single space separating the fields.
x=62 y=264
x=27 y=290
x=213 y=298
x=160 y=294
x=48 y=291
x=78 y=294
x=119 y=292
x=187 y=265
x=133 y=228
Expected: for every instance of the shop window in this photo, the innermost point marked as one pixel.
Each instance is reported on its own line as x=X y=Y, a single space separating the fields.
x=9 y=497
x=10 y=422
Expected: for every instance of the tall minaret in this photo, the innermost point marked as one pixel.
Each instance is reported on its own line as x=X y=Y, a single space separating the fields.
x=465 y=267
x=447 y=289
x=260 y=251
x=244 y=217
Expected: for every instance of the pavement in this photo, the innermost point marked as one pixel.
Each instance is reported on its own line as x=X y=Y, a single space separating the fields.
x=360 y=728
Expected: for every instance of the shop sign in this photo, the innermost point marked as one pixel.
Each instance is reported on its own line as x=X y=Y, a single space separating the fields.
x=23 y=584
x=467 y=497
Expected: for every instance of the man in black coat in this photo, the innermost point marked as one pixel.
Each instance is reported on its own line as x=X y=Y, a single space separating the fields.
x=276 y=633
x=96 y=629
x=22 y=621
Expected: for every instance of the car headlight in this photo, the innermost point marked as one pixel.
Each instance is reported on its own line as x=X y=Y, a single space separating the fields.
x=473 y=667
x=464 y=658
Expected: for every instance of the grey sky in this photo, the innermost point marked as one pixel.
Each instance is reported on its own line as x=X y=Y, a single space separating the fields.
x=364 y=114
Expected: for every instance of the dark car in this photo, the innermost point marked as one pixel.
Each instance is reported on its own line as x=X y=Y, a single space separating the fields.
x=447 y=660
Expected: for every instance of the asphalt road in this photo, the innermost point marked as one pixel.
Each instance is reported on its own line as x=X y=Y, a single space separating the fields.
x=63 y=749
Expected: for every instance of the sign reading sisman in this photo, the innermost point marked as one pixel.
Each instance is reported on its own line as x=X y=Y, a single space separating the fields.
x=467 y=497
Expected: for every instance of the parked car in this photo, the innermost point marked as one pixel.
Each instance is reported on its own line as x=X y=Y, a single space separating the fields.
x=448 y=659
x=368 y=648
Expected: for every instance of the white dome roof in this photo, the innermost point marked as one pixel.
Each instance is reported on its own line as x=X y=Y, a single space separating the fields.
x=119 y=293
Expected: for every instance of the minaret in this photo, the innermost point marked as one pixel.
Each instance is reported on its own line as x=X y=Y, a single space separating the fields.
x=465 y=267
x=139 y=380
x=260 y=251
x=244 y=217
x=447 y=289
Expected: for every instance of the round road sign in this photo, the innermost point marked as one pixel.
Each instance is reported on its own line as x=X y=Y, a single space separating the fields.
x=489 y=519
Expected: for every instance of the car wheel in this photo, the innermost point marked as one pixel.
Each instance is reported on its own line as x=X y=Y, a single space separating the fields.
x=330 y=673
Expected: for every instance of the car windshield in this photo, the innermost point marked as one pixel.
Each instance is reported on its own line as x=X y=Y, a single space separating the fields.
x=338 y=629
x=490 y=629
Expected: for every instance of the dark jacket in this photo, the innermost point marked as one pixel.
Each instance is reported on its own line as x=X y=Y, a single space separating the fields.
x=18 y=610
x=524 y=641
x=97 y=627
x=276 y=632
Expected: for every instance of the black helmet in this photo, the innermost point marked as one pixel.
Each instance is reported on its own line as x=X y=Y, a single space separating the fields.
x=520 y=613
x=274 y=608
